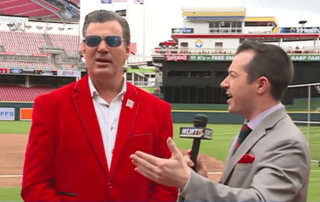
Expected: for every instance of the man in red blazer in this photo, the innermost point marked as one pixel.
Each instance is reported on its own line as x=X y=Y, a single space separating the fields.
x=82 y=134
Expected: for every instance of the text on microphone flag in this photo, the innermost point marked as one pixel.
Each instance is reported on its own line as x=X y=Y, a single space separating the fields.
x=192 y=132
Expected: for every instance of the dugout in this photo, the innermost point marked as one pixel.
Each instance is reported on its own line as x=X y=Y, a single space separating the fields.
x=199 y=82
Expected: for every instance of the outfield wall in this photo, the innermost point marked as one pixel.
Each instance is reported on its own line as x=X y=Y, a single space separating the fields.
x=20 y=111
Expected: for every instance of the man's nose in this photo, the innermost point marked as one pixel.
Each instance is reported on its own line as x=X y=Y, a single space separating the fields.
x=103 y=47
x=224 y=84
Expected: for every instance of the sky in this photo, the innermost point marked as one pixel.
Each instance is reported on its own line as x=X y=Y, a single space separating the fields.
x=163 y=15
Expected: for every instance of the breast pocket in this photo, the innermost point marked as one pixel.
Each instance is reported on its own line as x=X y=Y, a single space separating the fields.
x=141 y=142
x=67 y=196
x=239 y=175
x=243 y=167
x=140 y=134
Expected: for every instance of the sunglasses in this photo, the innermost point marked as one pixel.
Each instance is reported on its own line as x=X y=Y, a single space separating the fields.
x=111 y=41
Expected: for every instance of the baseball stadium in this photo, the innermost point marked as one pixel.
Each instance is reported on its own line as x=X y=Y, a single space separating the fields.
x=40 y=51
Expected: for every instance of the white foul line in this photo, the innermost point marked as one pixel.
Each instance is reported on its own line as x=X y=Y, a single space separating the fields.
x=10 y=176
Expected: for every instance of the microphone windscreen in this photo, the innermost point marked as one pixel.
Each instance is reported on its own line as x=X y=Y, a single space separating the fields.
x=200 y=120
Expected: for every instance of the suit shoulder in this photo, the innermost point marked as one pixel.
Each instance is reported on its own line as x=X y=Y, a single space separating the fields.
x=293 y=132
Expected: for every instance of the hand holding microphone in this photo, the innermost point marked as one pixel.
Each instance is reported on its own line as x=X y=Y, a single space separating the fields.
x=201 y=167
x=198 y=132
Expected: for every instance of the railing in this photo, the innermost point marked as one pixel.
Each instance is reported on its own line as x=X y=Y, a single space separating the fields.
x=223 y=51
x=238 y=30
x=139 y=59
x=24 y=58
x=152 y=84
x=18 y=66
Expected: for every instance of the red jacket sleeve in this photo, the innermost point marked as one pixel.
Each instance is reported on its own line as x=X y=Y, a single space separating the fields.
x=162 y=192
x=38 y=169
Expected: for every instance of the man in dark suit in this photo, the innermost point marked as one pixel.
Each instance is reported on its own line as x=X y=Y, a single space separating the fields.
x=82 y=134
x=269 y=160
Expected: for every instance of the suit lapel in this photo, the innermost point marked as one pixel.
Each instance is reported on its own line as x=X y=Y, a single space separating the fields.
x=125 y=124
x=229 y=155
x=258 y=133
x=85 y=109
x=248 y=143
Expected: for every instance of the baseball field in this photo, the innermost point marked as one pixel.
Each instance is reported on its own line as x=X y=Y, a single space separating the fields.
x=14 y=136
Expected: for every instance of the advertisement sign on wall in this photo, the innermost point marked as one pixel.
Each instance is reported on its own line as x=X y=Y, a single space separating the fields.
x=4 y=70
x=7 y=114
x=69 y=73
x=15 y=71
x=28 y=71
x=45 y=72
x=182 y=30
x=176 y=58
x=305 y=57
x=211 y=57
x=25 y=114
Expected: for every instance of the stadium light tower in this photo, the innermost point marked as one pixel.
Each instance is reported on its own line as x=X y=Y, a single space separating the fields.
x=302 y=22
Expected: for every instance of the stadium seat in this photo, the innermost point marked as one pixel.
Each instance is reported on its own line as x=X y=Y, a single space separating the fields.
x=18 y=93
x=26 y=65
x=22 y=42
x=27 y=8
x=70 y=43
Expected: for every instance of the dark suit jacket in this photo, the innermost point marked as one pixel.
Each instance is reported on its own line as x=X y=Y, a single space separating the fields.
x=65 y=158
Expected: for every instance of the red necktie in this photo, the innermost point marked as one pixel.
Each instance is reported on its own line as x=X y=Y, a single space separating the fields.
x=244 y=132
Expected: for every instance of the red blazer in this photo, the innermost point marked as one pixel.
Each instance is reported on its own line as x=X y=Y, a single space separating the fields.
x=65 y=158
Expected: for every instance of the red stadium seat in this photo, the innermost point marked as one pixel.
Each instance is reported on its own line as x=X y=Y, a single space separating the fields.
x=17 y=93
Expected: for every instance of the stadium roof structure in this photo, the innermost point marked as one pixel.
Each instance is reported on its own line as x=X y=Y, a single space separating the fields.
x=214 y=13
x=213 y=9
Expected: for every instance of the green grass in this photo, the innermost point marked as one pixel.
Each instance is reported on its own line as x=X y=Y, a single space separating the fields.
x=14 y=127
x=10 y=194
x=217 y=147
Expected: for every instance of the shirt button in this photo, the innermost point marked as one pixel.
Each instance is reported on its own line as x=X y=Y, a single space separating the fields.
x=111 y=128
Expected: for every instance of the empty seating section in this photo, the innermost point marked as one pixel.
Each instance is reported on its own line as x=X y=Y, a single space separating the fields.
x=22 y=42
x=69 y=66
x=49 y=5
x=26 y=65
x=29 y=43
x=25 y=8
x=8 y=4
x=17 y=93
x=75 y=1
x=70 y=43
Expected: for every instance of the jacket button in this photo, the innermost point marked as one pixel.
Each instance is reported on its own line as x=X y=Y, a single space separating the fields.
x=109 y=185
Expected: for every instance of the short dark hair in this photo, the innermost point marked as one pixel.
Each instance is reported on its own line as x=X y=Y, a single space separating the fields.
x=105 y=16
x=270 y=61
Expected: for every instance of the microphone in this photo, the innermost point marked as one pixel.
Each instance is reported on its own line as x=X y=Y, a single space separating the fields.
x=198 y=132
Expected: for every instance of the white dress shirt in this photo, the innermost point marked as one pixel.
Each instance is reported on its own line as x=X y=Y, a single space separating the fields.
x=108 y=117
x=254 y=123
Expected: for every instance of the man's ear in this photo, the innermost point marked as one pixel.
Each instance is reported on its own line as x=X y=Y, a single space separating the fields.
x=128 y=51
x=262 y=85
x=83 y=49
